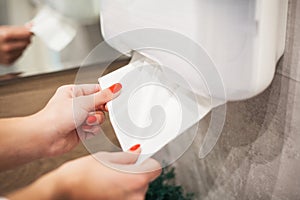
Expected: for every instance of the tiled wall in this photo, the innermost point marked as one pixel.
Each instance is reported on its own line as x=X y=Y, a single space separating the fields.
x=258 y=153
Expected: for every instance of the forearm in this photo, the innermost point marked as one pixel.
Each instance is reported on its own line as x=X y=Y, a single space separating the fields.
x=20 y=141
x=47 y=188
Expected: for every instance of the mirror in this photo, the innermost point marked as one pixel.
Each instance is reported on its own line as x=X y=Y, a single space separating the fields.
x=38 y=58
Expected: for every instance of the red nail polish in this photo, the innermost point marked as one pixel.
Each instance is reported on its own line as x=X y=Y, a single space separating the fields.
x=115 y=88
x=91 y=119
x=135 y=147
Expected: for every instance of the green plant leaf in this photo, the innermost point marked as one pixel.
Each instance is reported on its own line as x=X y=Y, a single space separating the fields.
x=164 y=188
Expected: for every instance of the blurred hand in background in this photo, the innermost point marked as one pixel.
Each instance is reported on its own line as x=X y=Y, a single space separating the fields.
x=13 y=41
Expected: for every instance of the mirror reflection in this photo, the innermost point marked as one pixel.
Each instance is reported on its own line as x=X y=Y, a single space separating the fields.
x=27 y=32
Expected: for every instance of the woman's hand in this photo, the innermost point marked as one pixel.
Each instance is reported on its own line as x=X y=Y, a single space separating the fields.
x=74 y=107
x=113 y=177
x=52 y=131
x=13 y=41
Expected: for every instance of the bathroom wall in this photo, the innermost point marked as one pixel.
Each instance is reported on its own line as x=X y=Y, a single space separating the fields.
x=258 y=153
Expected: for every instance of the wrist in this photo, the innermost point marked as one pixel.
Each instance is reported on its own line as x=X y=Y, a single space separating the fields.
x=53 y=186
x=43 y=132
x=21 y=141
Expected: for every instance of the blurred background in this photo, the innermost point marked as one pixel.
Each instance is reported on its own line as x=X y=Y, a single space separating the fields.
x=38 y=58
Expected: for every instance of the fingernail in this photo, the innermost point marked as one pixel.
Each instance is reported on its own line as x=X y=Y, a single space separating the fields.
x=91 y=119
x=115 y=88
x=135 y=147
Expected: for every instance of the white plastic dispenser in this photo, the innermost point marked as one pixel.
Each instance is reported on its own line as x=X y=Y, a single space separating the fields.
x=244 y=39
x=241 y=39
x=82 y=11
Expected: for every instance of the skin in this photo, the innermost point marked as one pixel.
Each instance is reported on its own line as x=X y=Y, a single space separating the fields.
x=52 y=131
x=86 y=178
x=13 y=41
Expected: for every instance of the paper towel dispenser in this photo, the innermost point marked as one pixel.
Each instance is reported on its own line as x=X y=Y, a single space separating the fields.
x=85 y=12
x=245 y=39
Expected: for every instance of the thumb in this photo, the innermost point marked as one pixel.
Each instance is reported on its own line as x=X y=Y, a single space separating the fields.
x=123 y=158
x=93 y=101
x=149 y=168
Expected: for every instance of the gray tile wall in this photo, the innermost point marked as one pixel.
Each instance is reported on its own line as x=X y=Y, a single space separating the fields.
x=258 y=153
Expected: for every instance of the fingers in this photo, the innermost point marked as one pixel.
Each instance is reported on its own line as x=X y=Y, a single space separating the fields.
x=86 y=89
x=108 y=94
x=13 y=33
x=93 y=101
x=103 y=107
x=79 y=90
x=85 y=133
x=93 y=122
x=95 y=118
x=151 y=167
x=10 y=58
x=91 y=129
x=122 y=158
x=13 y=41
x=125 y=161
x=11 y=47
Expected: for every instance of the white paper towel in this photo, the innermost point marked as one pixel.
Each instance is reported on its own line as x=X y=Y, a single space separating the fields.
x=146 y=87
x=53 y=29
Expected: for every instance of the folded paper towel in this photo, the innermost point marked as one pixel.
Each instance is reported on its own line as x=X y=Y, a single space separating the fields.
x=53 y=29
x=152 y=110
